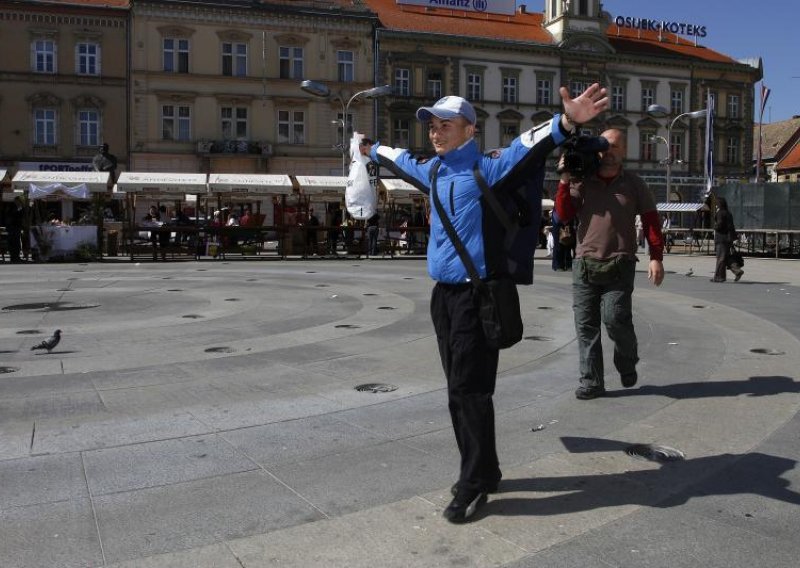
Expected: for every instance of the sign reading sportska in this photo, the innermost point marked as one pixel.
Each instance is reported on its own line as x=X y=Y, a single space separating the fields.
x=678 y=28
x=490 y=6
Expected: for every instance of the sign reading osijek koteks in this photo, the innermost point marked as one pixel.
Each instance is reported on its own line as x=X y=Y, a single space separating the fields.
x=491 y=6
x=678 y=28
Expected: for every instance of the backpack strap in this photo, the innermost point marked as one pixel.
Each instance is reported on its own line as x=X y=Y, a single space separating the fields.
x=466 y=260
x=511 y=226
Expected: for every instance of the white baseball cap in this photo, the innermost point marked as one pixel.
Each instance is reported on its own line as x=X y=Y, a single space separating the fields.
x=448 y=108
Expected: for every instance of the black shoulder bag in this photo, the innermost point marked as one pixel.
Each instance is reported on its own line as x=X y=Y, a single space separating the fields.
x=499 y=301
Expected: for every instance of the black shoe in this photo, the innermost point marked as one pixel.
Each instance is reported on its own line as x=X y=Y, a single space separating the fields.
x=488 y=489
x=716 y=280
x=738 y=275
x=464 y=505
x=588 y=393
x=629 y=379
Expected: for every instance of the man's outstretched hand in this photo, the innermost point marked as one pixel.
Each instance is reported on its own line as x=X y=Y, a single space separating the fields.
x=585 y=106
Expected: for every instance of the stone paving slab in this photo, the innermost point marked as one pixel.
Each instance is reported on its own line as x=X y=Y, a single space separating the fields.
x=301 y=469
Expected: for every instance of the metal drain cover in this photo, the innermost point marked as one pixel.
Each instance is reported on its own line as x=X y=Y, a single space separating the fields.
x=652 y=452
x=50 y=306
x=544 y=308
x=700 y=306
x=28 y=332
x=347 y=326
x=220 y=350
x=386 y=308
x=175 y=290
x=376 y=387
x=192 y=316
x=4 y=370
x=767 y=351
x=538 y=338
x=232 y=300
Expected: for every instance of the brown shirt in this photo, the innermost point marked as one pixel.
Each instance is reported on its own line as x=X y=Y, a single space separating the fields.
x=606 y=214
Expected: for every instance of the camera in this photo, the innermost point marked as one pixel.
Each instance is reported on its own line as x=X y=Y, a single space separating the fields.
x=582 y=155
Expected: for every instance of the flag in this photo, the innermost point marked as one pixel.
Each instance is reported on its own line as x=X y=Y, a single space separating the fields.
x=709 y=169
x=764 y=96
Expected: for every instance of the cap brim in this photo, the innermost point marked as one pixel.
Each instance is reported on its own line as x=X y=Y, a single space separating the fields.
x=424 y=114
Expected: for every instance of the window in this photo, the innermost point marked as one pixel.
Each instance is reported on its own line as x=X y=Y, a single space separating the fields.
x=434 y=87
x=577 y=87
x=479 y=128
x=401 y=133
x=291 y=127
x=676 y=147
x=176 y=55
x=291 y=62
x=234 y=122
x=543 y=92
x=234 y=59
x=87 y=59
x=88 y=127
x=508 y=131
x=583 y=8
x=345 y=64
x=344 y=136
x=732 y=151
x=676 y=102
x=176 y=123
x=474 y=91
x=402 y=82
x=647 y=146
x=648 y=96
x=44 y=126
x=618 y=98
x=44 y=56
x=509 y=89
x=733 y=106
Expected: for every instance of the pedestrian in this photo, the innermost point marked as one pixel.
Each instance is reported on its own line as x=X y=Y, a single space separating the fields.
x=469 y=361
x=14 y=225
x=334 y=229
x=606 y=204
x=372 y=234
x=724 y=235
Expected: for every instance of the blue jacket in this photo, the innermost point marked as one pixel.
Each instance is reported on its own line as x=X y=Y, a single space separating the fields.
x=460 y=195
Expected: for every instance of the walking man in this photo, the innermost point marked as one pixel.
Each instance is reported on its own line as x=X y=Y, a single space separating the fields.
x=606 y=204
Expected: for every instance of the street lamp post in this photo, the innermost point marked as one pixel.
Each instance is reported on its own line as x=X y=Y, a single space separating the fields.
x=322 y=90
x=660 y=111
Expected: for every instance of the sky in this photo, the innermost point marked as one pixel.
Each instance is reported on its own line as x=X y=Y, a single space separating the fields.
x=739 y=29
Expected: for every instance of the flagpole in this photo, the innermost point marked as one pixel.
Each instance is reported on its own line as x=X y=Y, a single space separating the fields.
x=764 y=96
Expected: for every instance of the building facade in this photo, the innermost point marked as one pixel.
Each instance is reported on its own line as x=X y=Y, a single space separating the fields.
x=511 y=67
x=63 y=80
x=215 y=86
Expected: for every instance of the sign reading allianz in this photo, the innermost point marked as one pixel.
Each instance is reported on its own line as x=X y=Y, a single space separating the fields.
x=490 y=6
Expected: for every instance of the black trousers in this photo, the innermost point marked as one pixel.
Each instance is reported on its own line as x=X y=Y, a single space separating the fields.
x=470 y=367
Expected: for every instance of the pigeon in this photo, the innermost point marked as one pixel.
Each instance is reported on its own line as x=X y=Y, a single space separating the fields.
x=690 y=272
x=49 y=343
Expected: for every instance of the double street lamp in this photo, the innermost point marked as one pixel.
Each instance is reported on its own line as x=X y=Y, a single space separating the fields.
x=322 y=90
x=660 y=111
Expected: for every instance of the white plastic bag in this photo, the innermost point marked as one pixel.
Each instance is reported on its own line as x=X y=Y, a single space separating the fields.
x=360 y=197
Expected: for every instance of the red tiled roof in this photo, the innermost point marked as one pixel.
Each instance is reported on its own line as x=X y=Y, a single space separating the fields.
x=646 y=42
x=775 y=137
x=525 y=27
x=792 y=160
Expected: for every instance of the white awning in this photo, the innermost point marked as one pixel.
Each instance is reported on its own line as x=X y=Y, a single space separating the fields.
x=398 y=189
x=677 y=207
x=3 y=174
x=96 y=182
x=252 y=183
x=162 y=184
x=319 y=185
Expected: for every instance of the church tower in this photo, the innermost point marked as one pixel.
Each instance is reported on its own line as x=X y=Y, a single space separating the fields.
x=566 y=17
